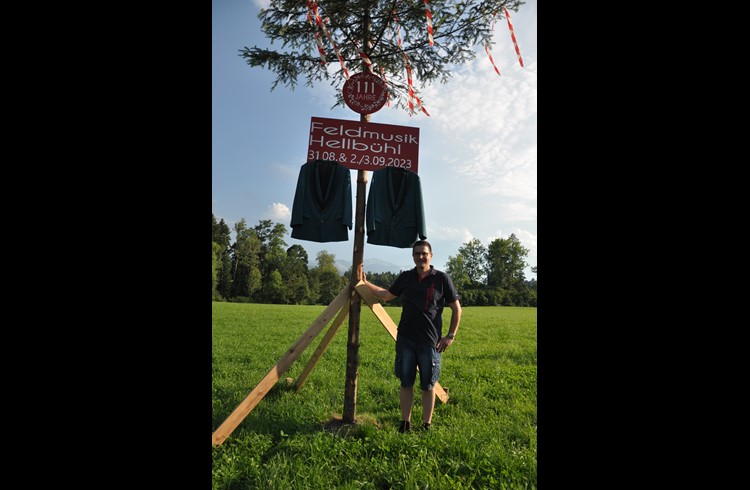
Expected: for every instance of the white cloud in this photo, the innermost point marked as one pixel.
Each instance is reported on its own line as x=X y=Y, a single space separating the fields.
x=527 y=239
x=262 y=3
x=447 y=233
x=278 y=211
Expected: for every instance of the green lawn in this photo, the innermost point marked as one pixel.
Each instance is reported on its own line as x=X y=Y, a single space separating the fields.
x=484 y=437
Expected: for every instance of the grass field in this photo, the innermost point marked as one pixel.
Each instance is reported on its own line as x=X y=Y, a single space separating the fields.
x=484 y=437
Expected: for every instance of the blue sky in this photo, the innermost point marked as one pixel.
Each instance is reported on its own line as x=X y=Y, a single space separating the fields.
x=477 y=149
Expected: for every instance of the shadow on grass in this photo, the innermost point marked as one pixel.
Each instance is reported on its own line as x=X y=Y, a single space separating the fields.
x=266 y=419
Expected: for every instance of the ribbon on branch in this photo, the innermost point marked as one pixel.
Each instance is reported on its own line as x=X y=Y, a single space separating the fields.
x=320 y=24
x=335 y=48
x=513 y=35
x=364 y=57
x=429 y=22
x=412 y=95
x=316 y=34
x=487 y=45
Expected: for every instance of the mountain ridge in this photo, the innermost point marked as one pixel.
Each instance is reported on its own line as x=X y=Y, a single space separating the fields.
x=375 y=266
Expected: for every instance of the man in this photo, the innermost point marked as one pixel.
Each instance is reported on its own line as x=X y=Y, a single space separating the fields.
x=424 y=291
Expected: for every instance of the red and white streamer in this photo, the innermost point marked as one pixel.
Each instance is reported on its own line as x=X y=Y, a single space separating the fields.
x=316 y=34
x=364 y=57
x=320 y=48
x=419 y=104
x=320 y=24
x=412 y=95
x=513 y=36
x=398 y=29
x=429 y=22
x=487 y=46
x=336 y=49
x=487 y=49
x=411 y=87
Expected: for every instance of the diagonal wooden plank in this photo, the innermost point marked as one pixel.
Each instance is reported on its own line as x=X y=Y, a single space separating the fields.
x=374 y=303
x=322 y=347
x=257 y=394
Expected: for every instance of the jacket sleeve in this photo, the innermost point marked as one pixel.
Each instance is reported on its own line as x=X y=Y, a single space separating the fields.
x=347 y=195
x=371 y=203
x=421 y=225
x=299 y=198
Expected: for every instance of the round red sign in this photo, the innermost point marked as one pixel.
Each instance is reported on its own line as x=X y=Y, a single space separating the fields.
x=365 y=93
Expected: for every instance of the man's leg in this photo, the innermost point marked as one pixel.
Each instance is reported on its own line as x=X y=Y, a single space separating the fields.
x=428 y=405
x=406 y=399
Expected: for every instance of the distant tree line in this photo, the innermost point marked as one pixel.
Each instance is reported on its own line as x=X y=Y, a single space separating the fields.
x=259 y=268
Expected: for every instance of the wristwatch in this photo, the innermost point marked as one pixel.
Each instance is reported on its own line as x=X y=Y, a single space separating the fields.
x=451 y=336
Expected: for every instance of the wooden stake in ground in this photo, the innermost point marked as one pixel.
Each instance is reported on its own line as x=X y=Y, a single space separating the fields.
x=265 y=385
x=322 y=347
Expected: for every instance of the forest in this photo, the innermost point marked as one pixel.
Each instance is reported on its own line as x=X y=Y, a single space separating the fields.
x=259 y=267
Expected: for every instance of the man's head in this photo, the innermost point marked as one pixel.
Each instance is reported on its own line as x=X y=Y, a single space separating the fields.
x=421 y=252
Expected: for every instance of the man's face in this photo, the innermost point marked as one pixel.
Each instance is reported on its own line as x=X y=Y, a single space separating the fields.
x=422 y=256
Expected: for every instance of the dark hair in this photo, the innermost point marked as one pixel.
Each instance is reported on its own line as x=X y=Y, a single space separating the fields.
x=421 y=243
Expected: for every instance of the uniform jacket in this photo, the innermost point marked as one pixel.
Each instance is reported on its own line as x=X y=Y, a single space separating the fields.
x=322 y=208
x=394 y=212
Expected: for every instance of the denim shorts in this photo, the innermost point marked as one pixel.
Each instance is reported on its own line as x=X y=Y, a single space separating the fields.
x=410 y=354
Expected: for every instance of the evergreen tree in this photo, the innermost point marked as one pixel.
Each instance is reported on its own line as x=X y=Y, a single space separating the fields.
x=272 y=256
x=329 y=281
x=275 y=290
x=295 y=274
x=220 y=232
x=220 y=235
x=224 y=286
x=393 y=35
x=215 y=266
x=245 y=261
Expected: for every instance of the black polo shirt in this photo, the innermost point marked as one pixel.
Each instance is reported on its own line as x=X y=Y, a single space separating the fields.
x=422 y=304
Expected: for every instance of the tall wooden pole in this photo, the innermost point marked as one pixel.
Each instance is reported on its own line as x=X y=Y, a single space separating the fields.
x=352 y=343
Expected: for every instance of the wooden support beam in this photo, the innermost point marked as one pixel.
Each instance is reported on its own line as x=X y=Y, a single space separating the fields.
x=265 y=385
x=374 y=303
x=322 y=347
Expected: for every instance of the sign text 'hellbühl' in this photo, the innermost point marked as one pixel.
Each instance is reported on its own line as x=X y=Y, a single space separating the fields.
x=363 y=145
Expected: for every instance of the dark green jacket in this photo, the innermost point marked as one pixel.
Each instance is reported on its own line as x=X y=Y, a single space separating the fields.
x=394 y=211
x=322 y=208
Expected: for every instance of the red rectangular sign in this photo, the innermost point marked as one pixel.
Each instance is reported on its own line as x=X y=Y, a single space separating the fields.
x=363 y=145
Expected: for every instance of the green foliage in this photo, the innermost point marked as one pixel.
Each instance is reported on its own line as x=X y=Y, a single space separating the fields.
x=458 y=26
x=475 y=258
x=494 y=275
x=258 y=268
x=220 y=232
x=215 y=266
x=224 y=285
x=275 y=290
x=331 y=283
x=456 y=268
x=295 y=273
x=505 y=262
x=484 y=437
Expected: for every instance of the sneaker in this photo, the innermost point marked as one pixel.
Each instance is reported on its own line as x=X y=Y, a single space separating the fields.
x=405 y=426
x=425 y=426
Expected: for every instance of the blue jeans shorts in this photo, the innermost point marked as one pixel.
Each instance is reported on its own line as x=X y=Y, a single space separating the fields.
x=409 y=355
